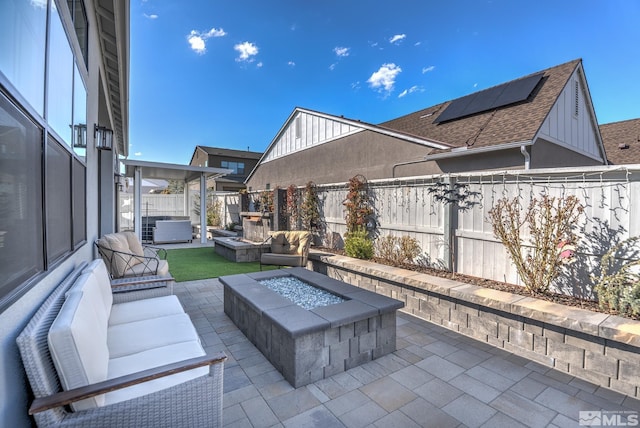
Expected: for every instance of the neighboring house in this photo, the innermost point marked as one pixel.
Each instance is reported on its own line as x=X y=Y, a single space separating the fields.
x=240 y=162
x=542 y=120
x=64 y=70
x=622 y=141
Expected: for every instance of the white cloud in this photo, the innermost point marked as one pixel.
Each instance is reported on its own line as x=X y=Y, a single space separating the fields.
x=341 y=51
x=417 y=43
x=428 y=69
x=397 y=38
x=137 y=154
x=385 y=78
x=41 y=4
x=246 y=51
x=411 y=90
x=259 y=65
x=355 y=85
x=152 y=16
x=291 y=64
x=198 y=39
x=333 y=66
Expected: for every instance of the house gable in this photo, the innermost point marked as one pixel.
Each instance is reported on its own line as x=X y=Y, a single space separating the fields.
x=305 y=129
x=571 y=122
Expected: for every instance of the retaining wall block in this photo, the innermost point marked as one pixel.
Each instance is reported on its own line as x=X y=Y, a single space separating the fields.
x=601 y=363
x=566 y=353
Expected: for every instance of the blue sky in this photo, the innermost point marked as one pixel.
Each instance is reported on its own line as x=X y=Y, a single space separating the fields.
x=228 y=73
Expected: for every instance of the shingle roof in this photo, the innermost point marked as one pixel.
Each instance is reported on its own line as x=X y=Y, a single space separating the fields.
x=513 y=123
x=622 y=141
x=219 y=151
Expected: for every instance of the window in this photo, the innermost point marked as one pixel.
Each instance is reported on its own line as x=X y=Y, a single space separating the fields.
x=22 y=48
x=79 y=177
x=236 y=167
x=60 y=83
x=79 y=17
x=43 y=183
x=21 y=252
x=58 y=198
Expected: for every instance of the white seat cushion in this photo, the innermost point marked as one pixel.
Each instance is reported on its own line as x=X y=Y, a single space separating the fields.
x=138 y=310
x=139 y=336
x=154 y=358
x=78 y=344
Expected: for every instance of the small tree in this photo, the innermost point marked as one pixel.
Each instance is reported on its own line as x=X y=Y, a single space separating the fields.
x=551 y=223
x=357 y=204
x=310 y=210
x=292 y=206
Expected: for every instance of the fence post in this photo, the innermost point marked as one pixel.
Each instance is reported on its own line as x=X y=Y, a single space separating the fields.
x=279 y=209
x=449 y=227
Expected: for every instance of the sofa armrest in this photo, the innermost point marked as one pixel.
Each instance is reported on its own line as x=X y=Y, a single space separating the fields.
x=141 y=287
x=67 y=397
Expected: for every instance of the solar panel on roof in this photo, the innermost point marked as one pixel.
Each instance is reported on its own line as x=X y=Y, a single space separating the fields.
x=489 y=99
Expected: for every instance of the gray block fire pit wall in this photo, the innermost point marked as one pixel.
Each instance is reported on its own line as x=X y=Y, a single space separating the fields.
x=309 y=345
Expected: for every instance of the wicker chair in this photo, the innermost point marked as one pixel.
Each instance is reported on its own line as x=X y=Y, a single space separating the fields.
x=288 y=248
x=195 y=403
x=126 y=257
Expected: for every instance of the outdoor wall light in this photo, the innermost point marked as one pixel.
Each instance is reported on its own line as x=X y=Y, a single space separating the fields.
x=80 y=135
x=103 y=137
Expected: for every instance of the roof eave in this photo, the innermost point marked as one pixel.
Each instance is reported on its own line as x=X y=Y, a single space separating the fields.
x=466 y=152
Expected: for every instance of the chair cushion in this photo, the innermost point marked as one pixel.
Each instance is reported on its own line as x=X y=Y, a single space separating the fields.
x=139 y=336
x=281 y=245
x=154 y=358
x=141 y=269
x=98 y=270
x=78 y=345
x=119 y=262
x=281 y=259
x=135 y=246
x=139 y=310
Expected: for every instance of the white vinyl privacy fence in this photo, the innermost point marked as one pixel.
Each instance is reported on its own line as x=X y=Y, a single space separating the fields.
x=460 y=235
x=173 y=205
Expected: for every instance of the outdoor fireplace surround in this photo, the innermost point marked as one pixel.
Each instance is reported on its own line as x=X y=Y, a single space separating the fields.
x=309 y=345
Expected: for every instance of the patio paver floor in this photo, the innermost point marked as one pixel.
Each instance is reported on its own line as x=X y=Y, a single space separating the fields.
x=436 y=378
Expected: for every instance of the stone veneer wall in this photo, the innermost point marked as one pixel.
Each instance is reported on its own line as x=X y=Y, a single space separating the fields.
x=599 y=348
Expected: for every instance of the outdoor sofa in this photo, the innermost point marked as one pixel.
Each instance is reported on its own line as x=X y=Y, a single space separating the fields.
x=93 y=362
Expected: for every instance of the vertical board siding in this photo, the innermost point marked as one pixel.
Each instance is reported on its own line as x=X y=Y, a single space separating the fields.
x=314 y=130
x=563 y=126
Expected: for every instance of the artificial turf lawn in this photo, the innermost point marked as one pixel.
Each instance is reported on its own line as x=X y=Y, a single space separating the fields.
x=189 y=264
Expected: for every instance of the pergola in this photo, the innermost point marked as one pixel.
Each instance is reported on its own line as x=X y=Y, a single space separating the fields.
x=138 y=169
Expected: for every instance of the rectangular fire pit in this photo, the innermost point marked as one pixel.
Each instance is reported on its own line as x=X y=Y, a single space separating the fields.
x=309 y=345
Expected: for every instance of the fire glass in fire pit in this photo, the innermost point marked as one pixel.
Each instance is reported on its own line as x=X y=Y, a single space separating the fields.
x=301 y=293
x=307 y=345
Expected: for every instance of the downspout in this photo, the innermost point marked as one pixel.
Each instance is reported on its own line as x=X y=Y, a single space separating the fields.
x=393 y=169
x=527 y=156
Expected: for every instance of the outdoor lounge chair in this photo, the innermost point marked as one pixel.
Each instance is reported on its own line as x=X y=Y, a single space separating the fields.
x=288 y=248
x=125 y=256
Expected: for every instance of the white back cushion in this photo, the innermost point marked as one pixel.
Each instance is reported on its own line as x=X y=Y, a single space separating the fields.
x=103 y=282
x=78 y=345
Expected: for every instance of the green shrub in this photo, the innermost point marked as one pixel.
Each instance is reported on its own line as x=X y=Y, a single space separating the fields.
x=358 y=244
